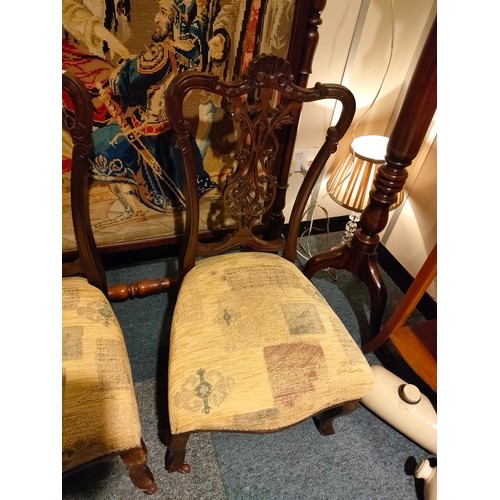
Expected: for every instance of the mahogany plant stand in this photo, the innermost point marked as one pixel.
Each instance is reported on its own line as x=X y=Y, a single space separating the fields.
x=359 y=256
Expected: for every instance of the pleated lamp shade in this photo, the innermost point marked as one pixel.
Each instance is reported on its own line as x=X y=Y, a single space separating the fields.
x=352 y=179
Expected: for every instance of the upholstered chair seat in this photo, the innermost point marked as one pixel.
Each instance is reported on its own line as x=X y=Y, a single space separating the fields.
x=255 y=346
x=99 y=409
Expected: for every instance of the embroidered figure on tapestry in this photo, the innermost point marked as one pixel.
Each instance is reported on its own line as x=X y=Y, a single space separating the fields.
x=126 y=52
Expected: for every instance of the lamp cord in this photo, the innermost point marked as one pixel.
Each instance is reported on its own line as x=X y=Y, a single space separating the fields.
x=388 y=65
x=353 y=129
x=391 y=52
x=306 y=249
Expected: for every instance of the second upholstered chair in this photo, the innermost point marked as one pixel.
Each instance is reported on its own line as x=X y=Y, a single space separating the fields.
x=254 y=347
x=100 y=416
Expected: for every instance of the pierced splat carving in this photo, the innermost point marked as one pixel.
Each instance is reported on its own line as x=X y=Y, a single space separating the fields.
x=251 y=190
x=263 y=104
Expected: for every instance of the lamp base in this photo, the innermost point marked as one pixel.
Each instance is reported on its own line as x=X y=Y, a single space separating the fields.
x=350 y=227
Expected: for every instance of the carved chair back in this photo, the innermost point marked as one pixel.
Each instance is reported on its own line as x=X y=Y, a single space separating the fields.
x=261 y=104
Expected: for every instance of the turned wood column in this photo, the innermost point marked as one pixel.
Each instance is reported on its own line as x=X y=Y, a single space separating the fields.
x=360 y=255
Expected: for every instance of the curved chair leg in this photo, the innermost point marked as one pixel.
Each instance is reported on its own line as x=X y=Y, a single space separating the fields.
x=176 y=454
x=324 y=420
x=135 y=461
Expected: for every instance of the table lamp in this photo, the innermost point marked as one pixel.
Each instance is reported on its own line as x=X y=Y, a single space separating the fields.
x=352 y=178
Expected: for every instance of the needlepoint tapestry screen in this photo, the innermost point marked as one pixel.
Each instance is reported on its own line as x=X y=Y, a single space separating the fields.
x=126 y=52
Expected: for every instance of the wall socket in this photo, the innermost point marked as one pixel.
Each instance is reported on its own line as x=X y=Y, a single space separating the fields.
x=301 y=158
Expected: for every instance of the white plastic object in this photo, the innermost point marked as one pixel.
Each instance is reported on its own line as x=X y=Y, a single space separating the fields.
x=425 y=471
x=306 y=162
x=403 y=406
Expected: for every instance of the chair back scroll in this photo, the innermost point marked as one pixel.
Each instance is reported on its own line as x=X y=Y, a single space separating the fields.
x=260 y=104
x=78 y=122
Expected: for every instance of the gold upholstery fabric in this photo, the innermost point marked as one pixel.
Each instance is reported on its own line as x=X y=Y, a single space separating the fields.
x=99 y=408
x=254 y=346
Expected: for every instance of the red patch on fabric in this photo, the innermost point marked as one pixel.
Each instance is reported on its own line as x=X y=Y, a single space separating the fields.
x=88 y=68
x=66 y=164
x=294 y=369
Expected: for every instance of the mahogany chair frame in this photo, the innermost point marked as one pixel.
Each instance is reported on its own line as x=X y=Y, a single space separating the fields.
x=249 y=196
x=250 y=192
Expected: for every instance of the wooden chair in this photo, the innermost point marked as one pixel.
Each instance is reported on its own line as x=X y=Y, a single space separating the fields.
x=254 y=347
x=100 y=416
x=416 y=343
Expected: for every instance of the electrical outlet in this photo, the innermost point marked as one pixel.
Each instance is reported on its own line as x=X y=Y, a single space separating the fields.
x=302 y=158
x=298 y=156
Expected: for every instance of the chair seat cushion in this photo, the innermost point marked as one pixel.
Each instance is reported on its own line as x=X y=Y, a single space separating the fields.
x=255 y=347
x=99 y=409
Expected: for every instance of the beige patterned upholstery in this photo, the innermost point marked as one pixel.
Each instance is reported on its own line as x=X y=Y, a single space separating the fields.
x=255 y=347
x=99 y=408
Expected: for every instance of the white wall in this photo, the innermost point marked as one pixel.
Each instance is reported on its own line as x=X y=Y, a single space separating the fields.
x=354 y=49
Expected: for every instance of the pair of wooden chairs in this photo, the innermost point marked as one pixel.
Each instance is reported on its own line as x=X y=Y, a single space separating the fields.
x=254 y=347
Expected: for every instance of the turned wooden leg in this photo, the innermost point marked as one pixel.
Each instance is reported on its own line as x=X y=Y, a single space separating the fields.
x=176 y=454
x=141 y=288
x=135 y=461
x=324 y=420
